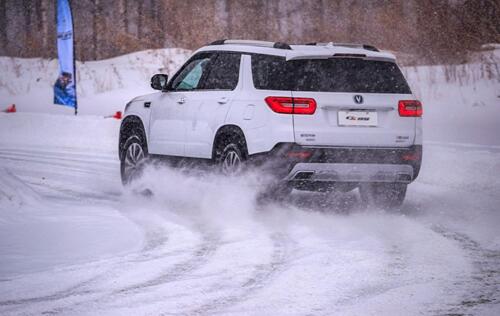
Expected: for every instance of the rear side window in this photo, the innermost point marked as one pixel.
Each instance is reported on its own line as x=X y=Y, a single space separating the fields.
x=270 y=73
x=224 y=72
x=329 y=75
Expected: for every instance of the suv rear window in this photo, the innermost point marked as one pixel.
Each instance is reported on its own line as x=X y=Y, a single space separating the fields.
x=328 y=75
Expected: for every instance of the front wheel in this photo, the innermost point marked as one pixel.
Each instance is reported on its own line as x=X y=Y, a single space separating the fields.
x=383 y=195
x=132 y=160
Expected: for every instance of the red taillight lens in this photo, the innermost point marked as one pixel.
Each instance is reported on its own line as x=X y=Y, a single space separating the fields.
x=304 y=106
x=301 y=155
x=280 y=104
x=411 y=157
x=410 y=108
x=286 y=105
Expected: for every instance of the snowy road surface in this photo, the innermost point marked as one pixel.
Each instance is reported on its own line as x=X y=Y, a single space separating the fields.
x=73 y=242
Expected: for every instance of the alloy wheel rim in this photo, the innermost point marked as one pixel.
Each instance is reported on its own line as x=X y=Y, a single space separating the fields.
x=133 y=157
x=231 y=163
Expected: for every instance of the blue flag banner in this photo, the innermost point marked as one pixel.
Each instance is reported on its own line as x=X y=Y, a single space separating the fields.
x=65 y=86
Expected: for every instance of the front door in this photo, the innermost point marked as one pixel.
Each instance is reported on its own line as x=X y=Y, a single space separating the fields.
x=169 y=116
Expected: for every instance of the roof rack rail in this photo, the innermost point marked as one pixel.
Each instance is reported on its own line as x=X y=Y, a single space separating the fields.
x=351 y=45
x=279 y=45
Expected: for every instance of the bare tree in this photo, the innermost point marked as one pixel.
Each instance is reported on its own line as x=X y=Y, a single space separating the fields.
x=140 y=12
x=97 y=28
x=123 y=15
x=434 y=30
x=3 y=28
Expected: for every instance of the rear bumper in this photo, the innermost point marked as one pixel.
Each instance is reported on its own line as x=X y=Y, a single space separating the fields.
x=350 y=172
x=301 y=164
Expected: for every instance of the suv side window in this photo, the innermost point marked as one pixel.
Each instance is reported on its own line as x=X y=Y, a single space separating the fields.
x=224 y=72
x=191 y=75
x=270 y=73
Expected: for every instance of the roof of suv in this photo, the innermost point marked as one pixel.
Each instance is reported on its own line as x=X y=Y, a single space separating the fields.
x=314 y=50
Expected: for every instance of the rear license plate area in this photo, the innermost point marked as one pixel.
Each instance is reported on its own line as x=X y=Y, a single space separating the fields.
x=358 y=118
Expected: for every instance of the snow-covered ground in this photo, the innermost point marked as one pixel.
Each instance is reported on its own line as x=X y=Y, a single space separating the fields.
x=73 y=242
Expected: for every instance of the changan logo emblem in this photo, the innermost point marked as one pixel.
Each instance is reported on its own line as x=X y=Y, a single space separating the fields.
x=358 y=99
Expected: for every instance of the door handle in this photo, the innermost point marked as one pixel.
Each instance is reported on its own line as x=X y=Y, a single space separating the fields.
x=223 y=100
x=147 y=104
x=181 y=100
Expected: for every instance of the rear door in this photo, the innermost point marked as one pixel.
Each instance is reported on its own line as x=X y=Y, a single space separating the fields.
x=356 y=103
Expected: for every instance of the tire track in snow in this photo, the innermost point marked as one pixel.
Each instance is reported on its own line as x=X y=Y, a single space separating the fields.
x=67 y=161
x=10 y=188
x=262 y=275
x=484 y=283
x=72 y=166
x=155 y=239
x=148 y=253
x=153 y=243
x=211 y=242
x=57 y=155
x=199 y=257
x=76 y=163
x=394 y=271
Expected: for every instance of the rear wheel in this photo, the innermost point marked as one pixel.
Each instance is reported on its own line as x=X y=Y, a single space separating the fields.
x=231 y=160
x=383 y=195
x=229 y=156
x=133 y=159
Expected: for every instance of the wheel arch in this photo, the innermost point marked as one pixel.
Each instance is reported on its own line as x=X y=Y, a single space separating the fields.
x=229 y=132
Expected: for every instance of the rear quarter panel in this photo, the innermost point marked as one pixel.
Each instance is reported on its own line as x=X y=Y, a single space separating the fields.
x=262 y=127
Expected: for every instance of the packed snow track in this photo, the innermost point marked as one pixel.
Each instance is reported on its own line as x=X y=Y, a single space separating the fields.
x=73 y=242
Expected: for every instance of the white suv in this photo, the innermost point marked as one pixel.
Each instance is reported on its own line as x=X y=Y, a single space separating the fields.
x=321 y=116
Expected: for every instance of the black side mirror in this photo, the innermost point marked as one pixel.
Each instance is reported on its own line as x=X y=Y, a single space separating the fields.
x=159 y=82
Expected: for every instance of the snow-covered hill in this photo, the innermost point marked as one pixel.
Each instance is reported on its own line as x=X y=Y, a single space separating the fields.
x=461 y=102
x=104 y=86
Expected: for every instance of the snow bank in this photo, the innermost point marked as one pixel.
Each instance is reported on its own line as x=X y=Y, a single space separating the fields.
x=104 y=86
x=461 y=102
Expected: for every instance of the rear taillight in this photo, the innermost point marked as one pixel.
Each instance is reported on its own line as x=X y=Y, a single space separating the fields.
x=299 y=155
x=286 y=105
x=413 y=156
x=410 y=108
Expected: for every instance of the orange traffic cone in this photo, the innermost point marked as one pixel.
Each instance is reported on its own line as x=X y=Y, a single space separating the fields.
x=11 y=109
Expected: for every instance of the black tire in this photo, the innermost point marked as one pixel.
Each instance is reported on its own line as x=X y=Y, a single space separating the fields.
x=229 y=158
x=131 y=168
x=383 y=195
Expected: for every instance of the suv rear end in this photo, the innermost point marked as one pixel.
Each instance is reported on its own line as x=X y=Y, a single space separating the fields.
x=355 y=121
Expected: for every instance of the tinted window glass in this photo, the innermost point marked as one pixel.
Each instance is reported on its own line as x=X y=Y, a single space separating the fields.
x=270 y=73
x=328 y=75
x=190 y=76
x=224 y=72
